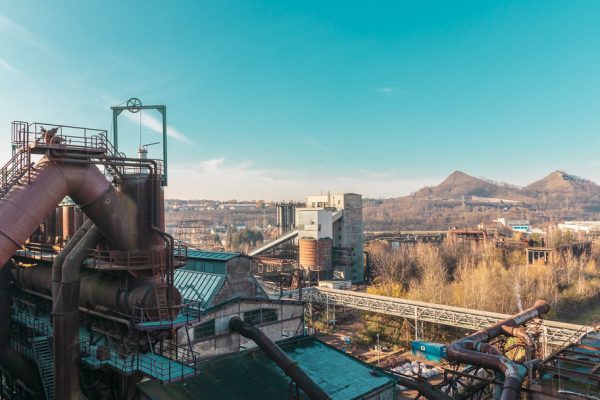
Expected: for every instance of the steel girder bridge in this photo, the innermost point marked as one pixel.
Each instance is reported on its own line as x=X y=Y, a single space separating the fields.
x=551 y=333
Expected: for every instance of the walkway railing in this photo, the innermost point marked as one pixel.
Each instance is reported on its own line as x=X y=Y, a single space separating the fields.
x=553 y=332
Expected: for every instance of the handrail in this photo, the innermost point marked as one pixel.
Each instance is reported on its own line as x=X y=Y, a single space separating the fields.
x=178 y=360
x=189 y=310
x=12 y=171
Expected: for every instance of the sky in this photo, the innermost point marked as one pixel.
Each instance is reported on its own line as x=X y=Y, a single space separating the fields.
x=278 y=99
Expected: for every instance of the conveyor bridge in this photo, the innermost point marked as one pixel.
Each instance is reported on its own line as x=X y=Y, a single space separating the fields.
x=552 y=332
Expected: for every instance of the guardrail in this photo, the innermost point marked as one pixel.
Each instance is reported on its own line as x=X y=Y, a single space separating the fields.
x=37 y=134
x=157 y=365
x=183 y=313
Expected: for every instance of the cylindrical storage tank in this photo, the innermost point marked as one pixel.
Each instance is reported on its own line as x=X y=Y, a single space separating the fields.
x=58 y=220
x=308 y=253
x=139 y=188
x=68 y=218
x=49 y=228
x=325 y=254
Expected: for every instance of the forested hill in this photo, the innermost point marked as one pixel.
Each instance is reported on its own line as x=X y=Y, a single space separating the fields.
x=462 y=200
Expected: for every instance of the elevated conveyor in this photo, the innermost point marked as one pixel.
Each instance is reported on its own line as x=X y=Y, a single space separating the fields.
x=289 y=235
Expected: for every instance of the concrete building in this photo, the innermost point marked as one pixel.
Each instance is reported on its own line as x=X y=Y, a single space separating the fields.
x=336 y=219
x=346 y=230
x=517 y=225
x=580 y=226
x=220 y=286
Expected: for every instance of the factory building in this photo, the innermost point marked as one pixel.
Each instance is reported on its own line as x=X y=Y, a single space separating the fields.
x=339 y=218
x=97 y=300
x=228 y=290
x=286 y=216
x=328 y=238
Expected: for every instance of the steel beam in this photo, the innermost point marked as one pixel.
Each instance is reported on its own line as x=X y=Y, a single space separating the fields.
x=558 y=333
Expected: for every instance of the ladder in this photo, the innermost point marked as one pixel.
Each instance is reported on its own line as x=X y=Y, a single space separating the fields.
x=160 y=288
x=42 y=351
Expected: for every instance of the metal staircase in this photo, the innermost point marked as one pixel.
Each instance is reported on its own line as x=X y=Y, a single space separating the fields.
x=42 y=350
x=160 y=288
x=13 y=171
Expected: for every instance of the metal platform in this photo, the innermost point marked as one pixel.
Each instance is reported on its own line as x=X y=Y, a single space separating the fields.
x=156 y=367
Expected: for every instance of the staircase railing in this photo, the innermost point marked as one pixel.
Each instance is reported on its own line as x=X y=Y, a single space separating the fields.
x=13 y=170
x=42 y=351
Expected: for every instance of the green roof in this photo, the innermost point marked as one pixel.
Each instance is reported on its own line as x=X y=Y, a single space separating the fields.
x=252 y=375
x=211 y=255
x=198 y=286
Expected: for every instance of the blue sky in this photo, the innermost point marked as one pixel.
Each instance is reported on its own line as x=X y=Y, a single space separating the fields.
x=277 y=99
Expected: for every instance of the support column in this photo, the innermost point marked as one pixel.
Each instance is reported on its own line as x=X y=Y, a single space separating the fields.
x=416 y=323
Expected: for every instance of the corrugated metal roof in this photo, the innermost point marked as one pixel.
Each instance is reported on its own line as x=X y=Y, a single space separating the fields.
x=212 y=255
x=252 y=375
x=198 y=286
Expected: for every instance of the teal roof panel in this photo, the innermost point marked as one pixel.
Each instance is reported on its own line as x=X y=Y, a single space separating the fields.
x=198 y=286
x=211 y=255
x=252 y=375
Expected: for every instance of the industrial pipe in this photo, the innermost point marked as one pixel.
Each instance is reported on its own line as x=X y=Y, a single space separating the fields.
x=99 y=291
x=474 y=350
x=28 y=203
x=65 y=315
x=5 y=302
x=289 y=366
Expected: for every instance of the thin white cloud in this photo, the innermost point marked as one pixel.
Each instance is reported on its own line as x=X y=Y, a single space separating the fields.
x=219 y=178
x=155 y=125
x=21 y=33
x=316 y=144
x=10 y=68
x=387 y=89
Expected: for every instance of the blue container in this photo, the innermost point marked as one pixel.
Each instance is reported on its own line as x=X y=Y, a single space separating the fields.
x=430 y=351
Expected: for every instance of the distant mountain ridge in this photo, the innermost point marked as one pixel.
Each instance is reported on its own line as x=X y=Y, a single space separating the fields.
x=460 y=184
x=462 y=200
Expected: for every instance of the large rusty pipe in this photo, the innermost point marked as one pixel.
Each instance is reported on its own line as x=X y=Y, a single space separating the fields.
x=5 y=302
x=65 y=317
x=474 y=350
x=60 y=258
x=289 y=366
x=99 y=291
x=26 y=205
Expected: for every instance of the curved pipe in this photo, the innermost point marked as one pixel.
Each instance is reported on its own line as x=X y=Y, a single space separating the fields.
x=289 y=366
x=65 y=315
x=5 y=303
x=26 y=205
x=471 y=350
x=99 y=291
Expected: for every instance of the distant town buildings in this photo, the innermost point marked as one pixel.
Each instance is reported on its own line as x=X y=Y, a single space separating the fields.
x=580 y=226
x=517 y=225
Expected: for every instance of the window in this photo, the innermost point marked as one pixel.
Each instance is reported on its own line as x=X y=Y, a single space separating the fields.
x=260 y=316
x=204 y=330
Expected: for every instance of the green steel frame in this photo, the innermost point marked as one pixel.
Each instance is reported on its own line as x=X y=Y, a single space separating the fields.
x=162 y=109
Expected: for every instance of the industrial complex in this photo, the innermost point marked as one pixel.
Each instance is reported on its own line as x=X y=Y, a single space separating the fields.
x=98 y=301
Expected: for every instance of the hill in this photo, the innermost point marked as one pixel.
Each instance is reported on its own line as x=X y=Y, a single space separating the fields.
x=559 y=182
x=465 y=201
x=460 y=184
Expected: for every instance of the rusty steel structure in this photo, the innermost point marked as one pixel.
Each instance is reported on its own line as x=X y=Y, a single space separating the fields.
x=103 y=256
x=476 y=350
